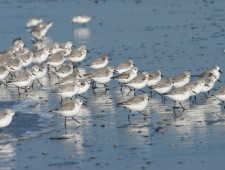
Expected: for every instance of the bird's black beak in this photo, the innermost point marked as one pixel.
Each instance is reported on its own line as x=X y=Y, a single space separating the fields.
x=88 y=51
x=220 y=71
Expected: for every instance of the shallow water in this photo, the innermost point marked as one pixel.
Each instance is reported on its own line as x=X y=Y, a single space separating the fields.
x=172 y=35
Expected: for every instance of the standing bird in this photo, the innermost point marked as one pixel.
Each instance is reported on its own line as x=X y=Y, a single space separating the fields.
x=220 y=94
x=181 y=80
x=81 y=19
x=179 y=94
x=215 y=71
x=99 y=62
x=69 y=109
x=102 y=75
x=139 y=81
x=136 y=103
x=77 y=54
x=6 y=117
x=125 y=66
x=126 y=76
x=163 y=86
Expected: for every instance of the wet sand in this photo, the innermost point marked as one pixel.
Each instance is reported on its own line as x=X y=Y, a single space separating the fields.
x=172 y=35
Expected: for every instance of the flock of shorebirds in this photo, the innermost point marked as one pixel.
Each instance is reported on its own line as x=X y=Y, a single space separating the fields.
x=21 y=67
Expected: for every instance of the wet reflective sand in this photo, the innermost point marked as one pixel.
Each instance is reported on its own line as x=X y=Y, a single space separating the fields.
x=173 y=36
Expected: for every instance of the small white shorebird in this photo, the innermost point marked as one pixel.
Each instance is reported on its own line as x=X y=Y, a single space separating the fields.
x=215 y=71
x=33 y=22
x=163 y=86
x=40 y=31
x=70 y=78
x=41 y=55
x=41 y=71
x=69 y=109
x=154 y=78
x=58 y=58
x=68 y=90
x=126 y=76
x=181 y=80
x=136 y=103
x=102 y=75
x=3 y=73
x=81 y=19
x=209 y=83
x=179 y=94
x=24 y=79
x=139 y=81
x=125 y=66
x=67 y=44
x=26 y=59
x=195 y=87
x=84 y=86
x=220 y=94
x=6 y=117
x=13 y=65
x=99 y=62
x=77 y=54
x=64 y=70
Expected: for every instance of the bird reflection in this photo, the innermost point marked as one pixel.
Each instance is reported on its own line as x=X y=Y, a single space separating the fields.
x=82 y=33
x=102 y=101
x=7 y=151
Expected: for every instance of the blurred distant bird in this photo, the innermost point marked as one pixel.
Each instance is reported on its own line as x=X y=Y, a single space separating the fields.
x=81 y=19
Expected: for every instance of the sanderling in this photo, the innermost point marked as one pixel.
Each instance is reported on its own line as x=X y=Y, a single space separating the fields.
x=6 y=117
x=41 y=55
x=209 y=83
x=99 y=62
x=69 y=109
x=81 y=19
x=21 y=52
x=179 y=94
x=163 y=86
x=58 y=58
x=18 y=42
x=84 y=85
x=181 y=80
x=125 y=66
x=154 y=78
x=195 y=87
x=55 y=48
x=40 y=71
x=68 y=90
x=220 y=94
x=11 y=50
x=40 y=32
x=26 y=59
x=102 y=75
x=33 y=22
x=77 y=54
x=136 y=103
x=66 y=45
x=13 y=64
x=139 y=81
x=126 y=76
x=70 y=78
x=64 y=70
x=24 y=79
x=45 y=24
x=215 y=71
x=3 y=73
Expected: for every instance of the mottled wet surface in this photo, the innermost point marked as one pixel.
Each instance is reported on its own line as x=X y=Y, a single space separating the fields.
x=172 y=35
